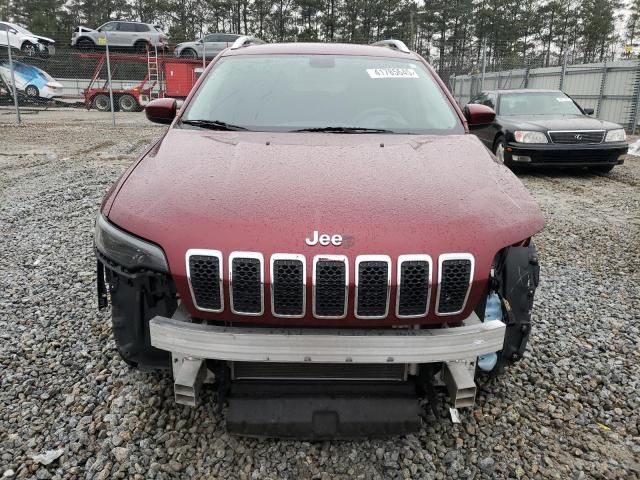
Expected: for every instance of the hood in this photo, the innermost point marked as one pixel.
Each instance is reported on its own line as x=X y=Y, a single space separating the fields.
x=44 y=39
x=385 y=194
x=557 y=122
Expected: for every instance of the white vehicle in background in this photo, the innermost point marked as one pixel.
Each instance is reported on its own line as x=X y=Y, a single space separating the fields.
x=211 y=45
x=25 y=41
x=31 y=81
x=136 y=35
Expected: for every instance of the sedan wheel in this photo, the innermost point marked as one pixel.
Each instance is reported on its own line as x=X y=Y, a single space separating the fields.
x=189 y=53
x=500 y=150
x=32 y=91
x=29 y=49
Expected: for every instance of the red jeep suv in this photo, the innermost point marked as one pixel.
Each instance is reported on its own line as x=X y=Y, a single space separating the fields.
x=318 y=235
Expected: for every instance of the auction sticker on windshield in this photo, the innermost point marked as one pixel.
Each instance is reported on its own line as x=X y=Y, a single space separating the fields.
x=392 y=73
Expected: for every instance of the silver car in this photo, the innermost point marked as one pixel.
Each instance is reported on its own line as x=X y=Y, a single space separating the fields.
x=211 y=44
x=136 y=35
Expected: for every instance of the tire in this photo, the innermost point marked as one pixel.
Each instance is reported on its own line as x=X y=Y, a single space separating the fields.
x=141 y=47
x=101 y=102
x=189 y=53
x=498 y=148
x=602 y=169
x=44 y=53
x=32 y=91
x=128 y=103
x=86 y=44
x=517 y=274
x=28 y=49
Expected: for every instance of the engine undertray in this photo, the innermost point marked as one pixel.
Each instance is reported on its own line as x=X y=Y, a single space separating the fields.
x=322 y=410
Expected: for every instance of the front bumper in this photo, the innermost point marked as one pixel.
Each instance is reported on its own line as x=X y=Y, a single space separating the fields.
x=473 y=338
x=566 y=155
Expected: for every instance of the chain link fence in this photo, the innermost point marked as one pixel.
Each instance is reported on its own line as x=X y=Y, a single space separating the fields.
x=126 y=81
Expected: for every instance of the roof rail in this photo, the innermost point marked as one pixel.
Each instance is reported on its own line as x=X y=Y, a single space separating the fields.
x=245 y=41
x=395 y=44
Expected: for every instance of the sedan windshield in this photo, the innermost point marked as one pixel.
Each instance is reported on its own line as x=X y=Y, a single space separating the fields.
x=537 y=103
x=332 y=94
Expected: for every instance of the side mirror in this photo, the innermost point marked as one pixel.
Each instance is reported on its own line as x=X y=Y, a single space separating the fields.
x=161 y=110
x=588 y=111
x=478 y=115
x=13 y=30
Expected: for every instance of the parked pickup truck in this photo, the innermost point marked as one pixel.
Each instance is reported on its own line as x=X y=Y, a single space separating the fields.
x=318 y=235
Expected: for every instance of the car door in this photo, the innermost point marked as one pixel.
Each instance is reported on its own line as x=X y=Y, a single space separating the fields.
x=127 y=33
x=15 y=38
x=108 y=31
x=213 y=44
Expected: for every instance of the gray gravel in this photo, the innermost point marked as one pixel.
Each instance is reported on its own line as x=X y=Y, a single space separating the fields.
x=568 y=410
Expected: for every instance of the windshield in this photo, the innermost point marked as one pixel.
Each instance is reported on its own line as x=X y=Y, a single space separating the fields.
x=537 y=103
x=298 y=92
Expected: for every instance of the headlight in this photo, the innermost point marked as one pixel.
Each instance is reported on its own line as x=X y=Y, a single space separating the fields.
x=127 y=250
x=617 y=135
x=526 y=136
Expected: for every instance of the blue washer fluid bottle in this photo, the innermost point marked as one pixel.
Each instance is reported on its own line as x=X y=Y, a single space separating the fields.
x=493 y=311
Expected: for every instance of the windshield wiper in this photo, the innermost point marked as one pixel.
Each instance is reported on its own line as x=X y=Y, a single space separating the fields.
x=344 y=130
x=213 y=125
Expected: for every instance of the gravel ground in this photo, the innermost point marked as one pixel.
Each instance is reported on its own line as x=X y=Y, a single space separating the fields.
x=568 y=410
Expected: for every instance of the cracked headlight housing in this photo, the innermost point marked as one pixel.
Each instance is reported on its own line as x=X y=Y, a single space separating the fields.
x=528 y=136
x=127 y=250
x=617 y=135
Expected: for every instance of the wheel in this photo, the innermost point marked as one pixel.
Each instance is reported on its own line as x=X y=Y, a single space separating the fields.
x=32 y=91
x=128 y=103
x=498 y=148
x=602 y=169
x=44 y=53
x=188 y=53
x=101 y=102
x=86 y=44
x=29 y=49
x=141 y=47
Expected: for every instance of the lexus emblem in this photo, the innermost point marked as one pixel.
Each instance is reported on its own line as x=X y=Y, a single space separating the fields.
x=323 y=239
x=578 y=137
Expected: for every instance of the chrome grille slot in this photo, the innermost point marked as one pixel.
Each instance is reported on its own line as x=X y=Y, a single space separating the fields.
x=455 y=273
x=204 y=273
x=414 y=285
x=288 y=285
x=577 y=136
x=373 y=276
x=246 y=280
x=330 y=286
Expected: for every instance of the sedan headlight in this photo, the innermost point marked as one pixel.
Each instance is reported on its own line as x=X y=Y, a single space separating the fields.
x=617 y=135
x=527 y=136
x=127 y=250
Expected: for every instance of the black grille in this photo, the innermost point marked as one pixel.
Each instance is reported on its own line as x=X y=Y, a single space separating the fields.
x=330 y=288
x=288 y=287
x=246 y=285
x=373 y=283
x=454 y=285
x=318 y=371
x=577 y=156
x=204 y=274
x=577 y=137
x=414 y=288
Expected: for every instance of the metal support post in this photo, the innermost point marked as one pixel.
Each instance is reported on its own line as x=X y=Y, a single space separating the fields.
x=484 y=62
x=113 y=115
x=13 y=80
x=603 y=85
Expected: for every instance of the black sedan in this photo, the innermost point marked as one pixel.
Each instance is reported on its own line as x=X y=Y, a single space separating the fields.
x=548 y=128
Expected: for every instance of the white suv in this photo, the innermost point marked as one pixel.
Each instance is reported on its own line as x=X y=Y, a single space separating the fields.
x=22 y=39
x=135 y=35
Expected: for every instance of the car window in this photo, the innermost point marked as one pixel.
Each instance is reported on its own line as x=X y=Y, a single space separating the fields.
x=490 y=100
x=3 y=28
x=213 y=37
x=127 y=27
x=227 y=37
x=537 y=103
x=108 y=27
x=141 y=27
x=291 y=92
x=479 y=99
